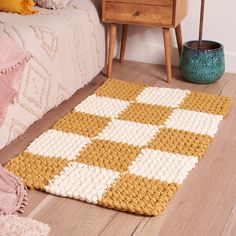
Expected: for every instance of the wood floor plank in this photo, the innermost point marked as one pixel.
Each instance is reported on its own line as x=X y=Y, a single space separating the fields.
x=233 y=230
x=44 y=202
x=122 y=224
x=34 y=199
x=74 y=218
x=205 y=204
x=230 y=226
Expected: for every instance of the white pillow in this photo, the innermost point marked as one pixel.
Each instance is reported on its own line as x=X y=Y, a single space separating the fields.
x=53 y=4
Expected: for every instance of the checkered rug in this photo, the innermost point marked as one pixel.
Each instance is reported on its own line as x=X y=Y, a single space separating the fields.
x=127 y=147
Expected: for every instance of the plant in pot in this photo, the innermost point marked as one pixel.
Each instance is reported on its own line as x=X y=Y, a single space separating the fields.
x=202 y=61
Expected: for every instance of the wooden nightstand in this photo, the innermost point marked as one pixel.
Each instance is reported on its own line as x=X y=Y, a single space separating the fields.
x=166 y=14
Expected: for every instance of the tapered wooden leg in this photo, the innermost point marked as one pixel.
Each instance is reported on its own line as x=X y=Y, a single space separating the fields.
x=178 y=33
x=112 y=39
x=123 y=43
x=166 y=35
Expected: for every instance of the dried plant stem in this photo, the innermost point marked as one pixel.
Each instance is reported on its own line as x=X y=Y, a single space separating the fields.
x=201 y=23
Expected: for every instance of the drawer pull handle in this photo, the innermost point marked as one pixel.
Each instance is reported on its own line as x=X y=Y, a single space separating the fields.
x=137 y=13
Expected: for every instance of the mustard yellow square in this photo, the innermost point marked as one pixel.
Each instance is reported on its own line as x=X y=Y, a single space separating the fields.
x=120 y=90
x=146 y=113
x=82 y=123
x=109 y=155
x=138 y=195
x=202 y=102
x=36 y=171
x=181 y=142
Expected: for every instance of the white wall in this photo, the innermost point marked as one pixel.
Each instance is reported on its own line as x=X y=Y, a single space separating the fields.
x=146 y=44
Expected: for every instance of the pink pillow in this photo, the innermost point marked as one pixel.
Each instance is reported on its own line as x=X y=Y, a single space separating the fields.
x=12 y=62
x=7 y=94
x=7 y=90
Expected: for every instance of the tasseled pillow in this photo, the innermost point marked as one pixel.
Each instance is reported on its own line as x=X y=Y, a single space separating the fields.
x=53 y=4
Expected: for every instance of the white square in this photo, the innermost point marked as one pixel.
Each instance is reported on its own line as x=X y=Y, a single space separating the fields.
x=129 y=132
x=102 y=106
x=169 y=167
x=197 y=122
x=163 y=96
x=60 y=144
x=83 y=182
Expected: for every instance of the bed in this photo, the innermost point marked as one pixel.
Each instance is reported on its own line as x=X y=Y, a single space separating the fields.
x=68 y=51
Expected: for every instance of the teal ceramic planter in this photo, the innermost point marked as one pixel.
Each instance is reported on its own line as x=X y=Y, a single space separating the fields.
x=202 y=66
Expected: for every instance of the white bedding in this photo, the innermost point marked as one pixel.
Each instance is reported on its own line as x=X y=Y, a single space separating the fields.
x=68 y=49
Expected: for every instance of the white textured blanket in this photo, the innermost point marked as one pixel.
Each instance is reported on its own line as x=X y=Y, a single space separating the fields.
x=68 y=49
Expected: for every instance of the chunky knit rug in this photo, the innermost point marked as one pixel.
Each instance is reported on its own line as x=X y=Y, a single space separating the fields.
x=127 y=147
x=12 y=225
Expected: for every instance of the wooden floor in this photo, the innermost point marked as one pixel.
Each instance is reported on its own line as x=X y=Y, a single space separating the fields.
x=205 y=205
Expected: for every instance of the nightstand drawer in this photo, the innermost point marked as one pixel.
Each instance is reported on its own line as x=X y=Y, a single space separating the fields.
x=138 y=13
x=146 y=2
